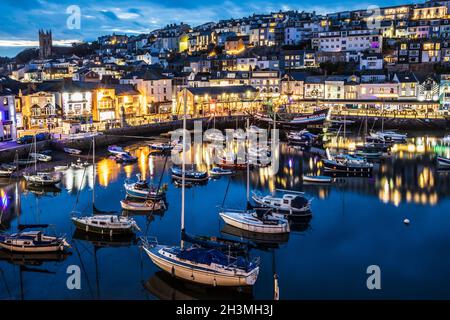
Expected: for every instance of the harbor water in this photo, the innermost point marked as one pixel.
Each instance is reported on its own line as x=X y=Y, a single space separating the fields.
x=356 y=222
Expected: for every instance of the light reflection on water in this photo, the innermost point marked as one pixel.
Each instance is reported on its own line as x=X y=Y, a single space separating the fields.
x=348 y=217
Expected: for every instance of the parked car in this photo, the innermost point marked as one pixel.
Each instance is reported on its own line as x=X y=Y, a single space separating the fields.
x=42 y=136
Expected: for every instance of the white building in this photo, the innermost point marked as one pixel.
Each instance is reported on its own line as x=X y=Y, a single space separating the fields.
x=352 y=40
x=371 y=61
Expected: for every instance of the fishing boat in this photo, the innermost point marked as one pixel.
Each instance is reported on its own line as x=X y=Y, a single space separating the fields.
x=301 y=138
x=201 y=265
x=42 y=179
x=345 y=163
x=443 y=163
x=146 y=206
x=390 y=136
x=290 y=205
x=218 y=172
x=317 y=179
x=250 y=220
x=72 y=151
x=41 y=157
x=116 y=150
x=143 y=190
x=35 y=241
x=190 y=175
x=230 y=161
x=6 y=170
x=318 y=117
x=106 y=224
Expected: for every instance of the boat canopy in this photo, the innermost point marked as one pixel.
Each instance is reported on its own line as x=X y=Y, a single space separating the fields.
x=299 y=202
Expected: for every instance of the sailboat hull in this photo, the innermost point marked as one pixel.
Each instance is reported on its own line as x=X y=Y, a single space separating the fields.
x=101 y=230
x=197 y=274
x=245 y=223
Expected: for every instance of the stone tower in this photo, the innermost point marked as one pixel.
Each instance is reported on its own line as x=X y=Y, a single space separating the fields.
x=45 y=44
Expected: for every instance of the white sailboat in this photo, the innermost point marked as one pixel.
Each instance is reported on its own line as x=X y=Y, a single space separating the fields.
x=252 y=220
x=204 y=266
x=40 y=178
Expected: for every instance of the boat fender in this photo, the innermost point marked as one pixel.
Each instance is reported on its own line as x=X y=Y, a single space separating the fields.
x=215 y=282
x=110 y=233
x=173 y=271
x=87 y=228
x=406 y=221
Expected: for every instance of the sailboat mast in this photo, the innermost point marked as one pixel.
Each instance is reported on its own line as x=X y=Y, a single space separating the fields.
x=35 y=154
x=183 y=167
x=93 y=171
x=248 y=161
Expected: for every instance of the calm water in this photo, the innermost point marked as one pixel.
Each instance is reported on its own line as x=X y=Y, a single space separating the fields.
x=356 y=222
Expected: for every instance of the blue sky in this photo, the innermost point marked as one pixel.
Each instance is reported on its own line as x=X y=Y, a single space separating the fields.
x=21 y=19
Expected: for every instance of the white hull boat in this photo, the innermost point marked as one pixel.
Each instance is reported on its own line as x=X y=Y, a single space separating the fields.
x=443 y=163
x=249 y=221
x=317 y=179
x=147 y=206
x=32 y=242
x=291 y=205
x=40 y=157
x=106 y=224
x=72 y=151
x=42 y=179
x=211 y=272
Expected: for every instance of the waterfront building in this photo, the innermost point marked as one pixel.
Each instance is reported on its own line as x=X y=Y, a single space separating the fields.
x=156 y=90
x=350 y=40
x=408 y=85
x=210 y=100
x=292 y=85
x=371 y=61
x=77 y=101
x=428 y=88
x=314 y=87
x=114 y=102
x=334 y=87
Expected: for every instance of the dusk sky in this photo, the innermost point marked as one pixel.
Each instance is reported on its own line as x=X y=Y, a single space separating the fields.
x=21 y=19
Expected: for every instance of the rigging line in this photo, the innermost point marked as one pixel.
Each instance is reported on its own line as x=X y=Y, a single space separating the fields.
x=83 y=268
x=226 y=191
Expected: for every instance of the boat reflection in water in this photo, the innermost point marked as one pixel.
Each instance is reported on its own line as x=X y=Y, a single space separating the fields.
x=105 y=241
x=33 y=259
x=258 y=240
x=165 y=287
x=51 y=191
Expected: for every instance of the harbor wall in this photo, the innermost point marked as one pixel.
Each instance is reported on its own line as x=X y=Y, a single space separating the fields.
x=407 y=124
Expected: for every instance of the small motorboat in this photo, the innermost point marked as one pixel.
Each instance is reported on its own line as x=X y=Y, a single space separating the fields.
x=390 y=136
x=40 y=157
x=301 y=138
x=345 y=163
x=116 y=150
x=6 y=170
x=125 y=158
x=106 y=224
x=143 y=190
x=317 y=179
x=290 y=205
x=147 y=206
x=218 y=172
x=42 y=179
x=161 y=147
x=32 y=241
x=190 y=175
x=80 y=164
x=61 y=168
x=72 y=151
x=443 y=163
x=251 y=221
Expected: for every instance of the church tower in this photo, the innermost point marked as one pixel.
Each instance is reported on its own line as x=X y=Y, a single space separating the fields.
x=45 y=44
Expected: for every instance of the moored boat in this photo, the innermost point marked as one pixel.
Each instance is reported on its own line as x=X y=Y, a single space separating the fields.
x=190 y=175
x=106 y=224
x=125 y=158
x=32 y=241
x=7 y=170
x=218 y=172
x=143 y=190
x=390 y=136
x=250 y=220
x=317 y=179
x=116 y=150
x=290 y=205
x=72 y=151
x=443 y=163
x=345 y=163
x=40 y=157
x=161 y=147
x=144 y=206
x=42 y=179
